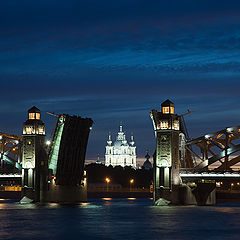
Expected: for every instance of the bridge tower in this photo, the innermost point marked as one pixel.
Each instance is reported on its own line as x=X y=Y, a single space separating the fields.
x=34 y=160
x=166 y=161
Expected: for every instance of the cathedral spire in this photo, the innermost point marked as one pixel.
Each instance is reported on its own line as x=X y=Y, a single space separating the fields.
x=147 y=155
x=109 y=142
x=121 y=126
x=132 y=141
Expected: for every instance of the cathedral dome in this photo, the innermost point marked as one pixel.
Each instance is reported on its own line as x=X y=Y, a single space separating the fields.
x=117 y=144
x=147 y=164
x=120 y=139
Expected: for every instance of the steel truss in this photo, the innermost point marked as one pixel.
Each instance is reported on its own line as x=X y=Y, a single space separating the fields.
x=222 y=146
x=10 y=150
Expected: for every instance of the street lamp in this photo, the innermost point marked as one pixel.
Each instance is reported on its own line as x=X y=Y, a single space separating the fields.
x=131 y=183
x=107 y=181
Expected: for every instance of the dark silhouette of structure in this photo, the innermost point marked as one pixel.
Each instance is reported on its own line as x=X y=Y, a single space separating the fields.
x=67 y=158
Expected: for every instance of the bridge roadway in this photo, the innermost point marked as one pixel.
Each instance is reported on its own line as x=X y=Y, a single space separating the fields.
x=10 y=176
x=189 y=174
x=183 y=174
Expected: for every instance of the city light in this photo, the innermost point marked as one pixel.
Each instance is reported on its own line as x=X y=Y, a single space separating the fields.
x=107 y=180
x=48 y=142
x=131 y=183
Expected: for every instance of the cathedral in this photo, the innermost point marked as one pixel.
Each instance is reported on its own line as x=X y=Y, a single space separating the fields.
x=120 y=153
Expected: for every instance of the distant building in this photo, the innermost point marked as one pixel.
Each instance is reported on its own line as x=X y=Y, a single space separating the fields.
x=120 y=153
x=147 y=164
x=98 y=160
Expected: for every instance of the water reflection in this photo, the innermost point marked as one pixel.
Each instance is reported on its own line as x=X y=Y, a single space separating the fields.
x=225 y=209
x=107 y=199
x=84 y=204
x=110 y=218
x=3 y=206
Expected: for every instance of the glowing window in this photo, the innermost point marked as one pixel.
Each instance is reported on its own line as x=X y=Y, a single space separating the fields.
x=41 y=130
x=31 y=115
x=172 y=110
x=29 y=130
x=37 y=115
x=165 y=110
x=176 y=125
x=163 y=125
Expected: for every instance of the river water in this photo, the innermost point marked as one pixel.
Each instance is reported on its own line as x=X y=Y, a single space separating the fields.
x=118 y=219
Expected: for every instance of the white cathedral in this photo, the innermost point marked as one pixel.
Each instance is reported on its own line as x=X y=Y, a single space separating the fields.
x=120 y=153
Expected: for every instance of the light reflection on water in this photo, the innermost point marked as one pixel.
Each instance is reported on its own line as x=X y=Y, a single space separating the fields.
x=118 y=219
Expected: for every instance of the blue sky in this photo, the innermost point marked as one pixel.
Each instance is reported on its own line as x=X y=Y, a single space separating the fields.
x=115 y=61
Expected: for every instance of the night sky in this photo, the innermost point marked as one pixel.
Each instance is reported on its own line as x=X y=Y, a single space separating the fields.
x=116 y=60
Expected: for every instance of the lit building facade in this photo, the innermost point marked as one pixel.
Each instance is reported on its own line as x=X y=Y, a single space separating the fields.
x=33 y=138
x=35 y=162
x=166 y=163
x=120 y=153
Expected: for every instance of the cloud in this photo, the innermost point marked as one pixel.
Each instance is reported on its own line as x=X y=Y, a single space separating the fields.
x=116 y=61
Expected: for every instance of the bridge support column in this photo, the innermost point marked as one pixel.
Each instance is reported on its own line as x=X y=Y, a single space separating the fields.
x=167 y=159
x=35 y=162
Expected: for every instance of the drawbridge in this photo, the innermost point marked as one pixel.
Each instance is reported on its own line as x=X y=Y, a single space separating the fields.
x=68 y=149
x=68 y=145
x=186 y=171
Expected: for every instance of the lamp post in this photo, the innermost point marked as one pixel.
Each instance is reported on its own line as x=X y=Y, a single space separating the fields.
x=107 y=182
x=131 y=183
